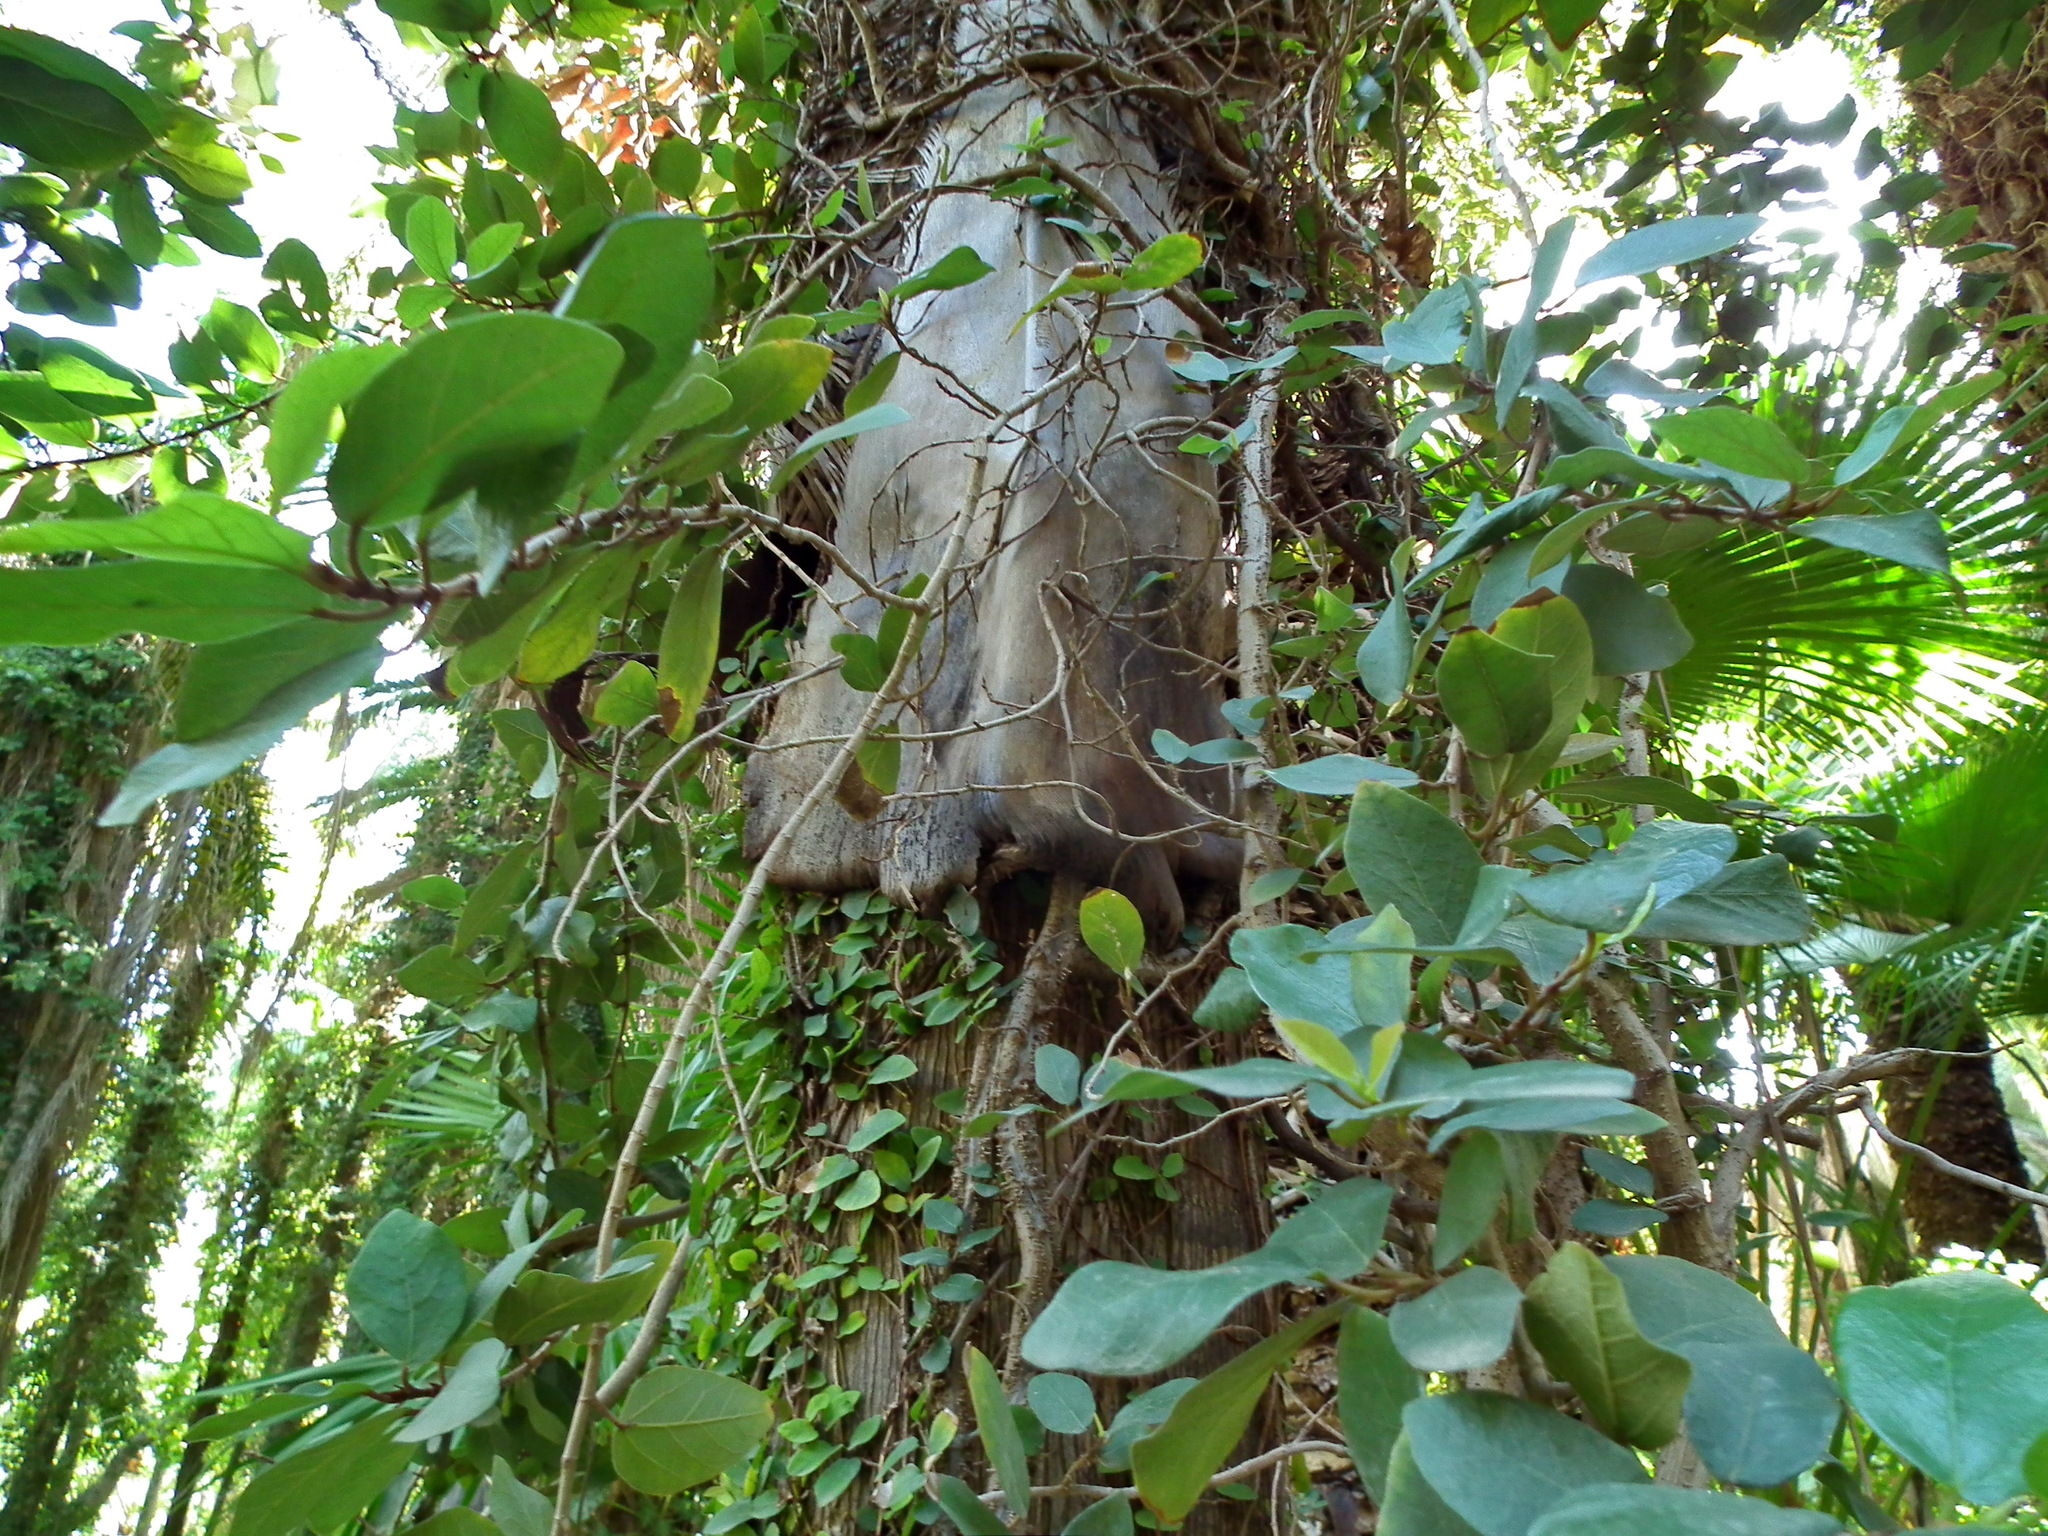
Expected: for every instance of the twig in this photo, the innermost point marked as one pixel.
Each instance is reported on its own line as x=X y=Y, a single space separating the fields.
x=1939 y=1163
x=1487 y=131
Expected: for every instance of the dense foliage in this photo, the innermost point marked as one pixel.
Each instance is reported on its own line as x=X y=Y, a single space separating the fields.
x=1619 y=700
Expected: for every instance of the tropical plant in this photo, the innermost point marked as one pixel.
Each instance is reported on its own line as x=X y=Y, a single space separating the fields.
x=1080 y=783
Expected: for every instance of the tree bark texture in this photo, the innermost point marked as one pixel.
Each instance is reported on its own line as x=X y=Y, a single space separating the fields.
x=1952 y=1107
x=1099 y=602
x=1091 y=610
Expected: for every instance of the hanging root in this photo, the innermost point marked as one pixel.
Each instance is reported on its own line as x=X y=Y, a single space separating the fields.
x=1002 y=1078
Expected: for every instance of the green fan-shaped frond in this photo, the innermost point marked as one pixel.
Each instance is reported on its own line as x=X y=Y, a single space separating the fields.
x=1812 y=642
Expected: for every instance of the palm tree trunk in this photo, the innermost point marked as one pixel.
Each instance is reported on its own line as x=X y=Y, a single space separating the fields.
x=1953 y=1107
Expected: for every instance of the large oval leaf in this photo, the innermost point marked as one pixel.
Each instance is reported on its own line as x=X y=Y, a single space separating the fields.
x=686 y=1427
x=1503 y=1463
x=495 y=387
x=1952 y=1371
x=1463 y=1325
x=1760 y=1411
x=1677 y=1512
x=407 y=1288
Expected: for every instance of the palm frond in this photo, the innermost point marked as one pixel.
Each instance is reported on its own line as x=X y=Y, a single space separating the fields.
x=454 y=1104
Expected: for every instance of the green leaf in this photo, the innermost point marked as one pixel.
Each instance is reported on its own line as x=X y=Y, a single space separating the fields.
x=1465 y=1324
x=83 y=605
x=1605 y=892
x=1172 y=1465
x=956 y=269
x=1064 y=1404
x=456 y=1521
x=873 y=385
x=1321 y=1049
x=492 y=246
x=1671 y=243
x=522 y=124
x=1564 y=20
x=444 y=15
x=499 y=388
x=1373 y=1385
x=1340 y=773
x=1878 y=440
x=1411 y=1507
x=407 y=1288
x=1657 y=532
x=677 y=166
x=964 y=1508
x=1110 y=1516
x=198 y=528
x=493 y=898
x=1163 y=263
x=442 y=975
x=1752 y=901
x=1386 y=656
x=1115 y=1319
x=1113 y=930
x=881 y=762
x=1633 y=629
x=1643 y=789
x=687 y=1426
x=1000 y=1439
x=1760 y=1411
x=1759 y=1414
x=1615 y=1218
x=771 y=381
x=61 y=105
x=1578 y=1316
x=307 y=416
x=1912 y=539
x=515 y=1508
x=873 y=419
x=1474 y=1185
x=470 y=1392
x=1497 y=695
x=1477 y=531
x=1380 y=985
x=563 y=640
x=750 y=49
x=1057 y=1072
x=689 y=639
x=1293 y=983
x=1503 y=1463
x=1230 y=1004
x=544 y=1303
x=629 y=698
x=1404 y=852
x=243 y=338
x=271 y=1408
x=651 y=278
x=1677 y=1512
x=1554 y=628
x=430 y=236
x=324 y=1486
x=1952 y=1371
x=1734 y=439
x=266 y=685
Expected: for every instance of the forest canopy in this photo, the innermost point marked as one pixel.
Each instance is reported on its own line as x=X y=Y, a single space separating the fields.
x=1195 y=766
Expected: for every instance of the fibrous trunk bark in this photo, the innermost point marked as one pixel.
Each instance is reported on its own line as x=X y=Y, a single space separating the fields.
x=1093 y=607
x=1089 y=608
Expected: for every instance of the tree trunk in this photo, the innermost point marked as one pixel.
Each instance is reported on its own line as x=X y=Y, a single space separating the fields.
x=1089 y=607
x=75 y=921
x=1992 y=140
x=246 y=1217
x=1954 y=1108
